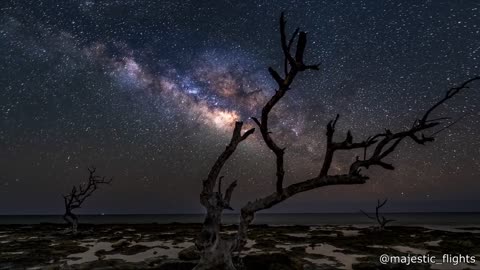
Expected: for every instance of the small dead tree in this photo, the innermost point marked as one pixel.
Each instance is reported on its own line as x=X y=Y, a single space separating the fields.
x=78 y=195
x=381 y=220
x=216 y=250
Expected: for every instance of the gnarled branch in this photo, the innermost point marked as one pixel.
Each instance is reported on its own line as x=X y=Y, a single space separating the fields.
x=209 y=183
x=391 y=140
x=292 y=66
x=78 y=195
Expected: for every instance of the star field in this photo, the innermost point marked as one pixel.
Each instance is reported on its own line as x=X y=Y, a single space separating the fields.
x=148 y=92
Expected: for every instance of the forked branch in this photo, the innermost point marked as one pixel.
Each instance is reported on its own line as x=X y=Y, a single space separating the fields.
x=381 y=220
x=207 y=197
x=292 y=66
x=388 y=141
x=78 y=195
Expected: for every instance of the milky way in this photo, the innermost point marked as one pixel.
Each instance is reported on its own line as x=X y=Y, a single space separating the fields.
x=215 y=92
x=149 y=91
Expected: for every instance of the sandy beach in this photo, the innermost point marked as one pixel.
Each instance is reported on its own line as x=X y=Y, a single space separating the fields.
x=170 y=246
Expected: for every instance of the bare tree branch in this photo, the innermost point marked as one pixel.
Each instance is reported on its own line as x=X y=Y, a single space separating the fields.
x=381 y=220
x=332 y=146
x=448 y=95
x=449 y=125
x=209 y=183
x=228 y=195
x=414 y=133
x=291 y=66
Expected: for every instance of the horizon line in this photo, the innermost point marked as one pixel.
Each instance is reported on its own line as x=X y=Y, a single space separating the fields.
x=280 y=213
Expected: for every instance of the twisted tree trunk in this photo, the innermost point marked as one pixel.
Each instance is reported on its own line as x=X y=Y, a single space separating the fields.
x=216 y=252
x=72 y=220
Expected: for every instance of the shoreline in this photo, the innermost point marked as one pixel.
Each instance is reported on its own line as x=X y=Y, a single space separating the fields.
x=404 y=219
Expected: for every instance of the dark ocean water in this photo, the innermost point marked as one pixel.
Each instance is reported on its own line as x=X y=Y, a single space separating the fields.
x=450 y=219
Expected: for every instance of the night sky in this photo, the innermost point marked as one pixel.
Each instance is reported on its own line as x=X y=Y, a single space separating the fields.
x=147 y=91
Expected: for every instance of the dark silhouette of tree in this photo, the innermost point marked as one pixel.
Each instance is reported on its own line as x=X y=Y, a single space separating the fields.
x=381 y=220
x=78 y=195
x=216 y=250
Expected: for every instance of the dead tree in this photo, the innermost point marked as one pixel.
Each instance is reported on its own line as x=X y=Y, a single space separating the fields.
x=216 y=250
x=381 y=220
x=78 y=195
